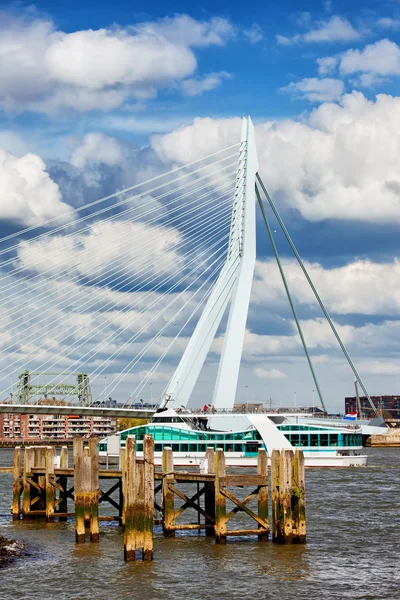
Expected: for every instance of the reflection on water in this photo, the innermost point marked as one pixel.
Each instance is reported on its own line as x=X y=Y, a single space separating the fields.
x=352 y=551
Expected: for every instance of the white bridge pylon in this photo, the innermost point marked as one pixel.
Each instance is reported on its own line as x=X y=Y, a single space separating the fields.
x=234 y=283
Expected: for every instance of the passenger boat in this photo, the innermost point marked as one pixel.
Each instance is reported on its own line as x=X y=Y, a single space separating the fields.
x=189 y=435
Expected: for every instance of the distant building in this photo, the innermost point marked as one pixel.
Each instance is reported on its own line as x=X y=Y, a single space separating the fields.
x=53 y=427
x=388 y=406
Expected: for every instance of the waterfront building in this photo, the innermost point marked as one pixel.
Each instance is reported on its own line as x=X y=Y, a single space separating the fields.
x=53 y=427
x=388 y=406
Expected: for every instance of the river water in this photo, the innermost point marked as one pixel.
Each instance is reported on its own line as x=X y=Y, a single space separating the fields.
x=352 y=551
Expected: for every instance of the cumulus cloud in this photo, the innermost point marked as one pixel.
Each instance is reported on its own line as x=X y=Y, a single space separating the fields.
x=254 y=34
x=196 y=86
x=327 y=64
x=27 y=193
x=380 y=58
x=261 y=373
x=316 y=90
x=340 y=162
x=97 y=148
x=133 y=249
x=45 y=69
x=345 y=290
x=335 y=29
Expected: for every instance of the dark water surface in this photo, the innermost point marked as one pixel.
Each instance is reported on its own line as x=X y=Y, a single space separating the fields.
x=353 y=531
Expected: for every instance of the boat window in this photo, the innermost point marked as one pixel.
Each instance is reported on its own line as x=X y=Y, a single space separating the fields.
x=314 y=439
x=158 y=447
x=333 y=439
x=184 y=447
x=167 y=420
x=202 y=447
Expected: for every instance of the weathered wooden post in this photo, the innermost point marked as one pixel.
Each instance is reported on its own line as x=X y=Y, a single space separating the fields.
x=122 y=466
x=93 y=497
x=299 y=499
x=275 y=493
x=209 y=498
x=29 y=461
x=129 y=499
x=15 y=507
x=167 y=493
x=80 y=484
x=262 y=471
x=40 y=480
x=49 y=482
x=63 y=481
x=282 y=521
x=148 y=455
x=220 y=499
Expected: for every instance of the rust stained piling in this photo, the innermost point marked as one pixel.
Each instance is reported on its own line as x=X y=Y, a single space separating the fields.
x=298 y=499
x=209 y=498
x=168 y=494
x=40 y=480
x=93 y=496
x=80 y=483
x=63 y=482
x=29 y=461
x=50 y=497
x=17 y=488
x=148 y=454
x=220 y=498
x=129 y=500
x=262 y=492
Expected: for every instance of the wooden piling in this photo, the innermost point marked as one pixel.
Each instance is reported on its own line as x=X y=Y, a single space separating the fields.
x=282 y=470
x=80 y=482
x=129 y=499
x=209 y=497
x=40 y=480
x=15 y=507
x=167 y=493
x=262 y=492
x=49 y=482
x=93 y=497
x=122 y=487
x=63 y=482
x=298 y=499
x=220 y=499
x=29 y=461
x=148 y=455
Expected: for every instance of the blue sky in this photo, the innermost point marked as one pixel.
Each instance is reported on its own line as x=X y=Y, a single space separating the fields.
x=95 y=97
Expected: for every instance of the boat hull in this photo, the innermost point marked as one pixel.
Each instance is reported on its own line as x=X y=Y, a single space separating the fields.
x=182 y=459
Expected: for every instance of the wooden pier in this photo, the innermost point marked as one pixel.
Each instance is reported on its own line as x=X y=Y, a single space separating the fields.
x=44 y=484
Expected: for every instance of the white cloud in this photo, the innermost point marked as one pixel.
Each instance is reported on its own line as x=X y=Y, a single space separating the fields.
x=316 y=90
x=381 y=58
x=335 y=29
x=196 y=86
x=340 y=162
x=388 y=23
x=345 y=290
x=132 y=249
x=327 y=64
x=254 y=34
x=27 y=193
x=203 y=137
x=261 y=373
x=97 y=148
x=45 y=69
x=186 y=31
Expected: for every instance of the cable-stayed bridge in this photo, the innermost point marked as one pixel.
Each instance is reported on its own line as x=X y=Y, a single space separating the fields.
x=112 y=288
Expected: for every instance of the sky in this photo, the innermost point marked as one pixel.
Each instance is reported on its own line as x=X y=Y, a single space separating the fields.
x=96 y=97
